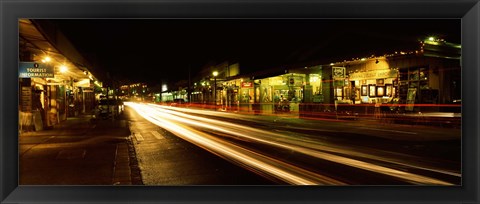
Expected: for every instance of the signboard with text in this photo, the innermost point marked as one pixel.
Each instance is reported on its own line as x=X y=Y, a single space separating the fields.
x=338 y=72
x=35 y=70
x=26 y=99
x=247 y=84
x=375 y=74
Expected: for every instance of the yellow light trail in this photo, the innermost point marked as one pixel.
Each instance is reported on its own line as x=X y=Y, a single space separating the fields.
x=160 y=116
x=270 y=166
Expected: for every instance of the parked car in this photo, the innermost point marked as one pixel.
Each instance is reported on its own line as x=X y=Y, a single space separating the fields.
x=108 y=107
x=179 y=102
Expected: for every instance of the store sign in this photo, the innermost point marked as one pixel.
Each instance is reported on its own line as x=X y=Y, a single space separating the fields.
x=35 y=70
x=83 y=83
x=338 y=72
x=88 y=90
x=294 y=81
x=26 y=99
x=375 y=74
x=247 y=84
x=291 y=81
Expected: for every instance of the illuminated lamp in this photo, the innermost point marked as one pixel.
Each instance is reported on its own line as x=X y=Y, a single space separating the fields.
x=63 y=69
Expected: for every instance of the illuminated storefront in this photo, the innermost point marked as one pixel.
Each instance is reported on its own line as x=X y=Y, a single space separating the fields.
x=52 y=85
x=416 y=82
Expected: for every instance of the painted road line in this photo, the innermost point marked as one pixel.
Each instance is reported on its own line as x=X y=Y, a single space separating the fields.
x=157 y=135
x=396 y=131
x=138 y=136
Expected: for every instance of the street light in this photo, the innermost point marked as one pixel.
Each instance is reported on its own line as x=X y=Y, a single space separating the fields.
x=215 y=74
x=63 y=68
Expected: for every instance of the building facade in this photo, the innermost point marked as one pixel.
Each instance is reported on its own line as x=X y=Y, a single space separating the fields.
x=55 y=81
x=424 y=80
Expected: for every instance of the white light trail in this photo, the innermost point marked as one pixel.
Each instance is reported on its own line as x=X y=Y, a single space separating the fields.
x=162 y=117
x=270 y=166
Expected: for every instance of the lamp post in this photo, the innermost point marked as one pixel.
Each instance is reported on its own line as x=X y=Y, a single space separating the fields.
x=215 y=74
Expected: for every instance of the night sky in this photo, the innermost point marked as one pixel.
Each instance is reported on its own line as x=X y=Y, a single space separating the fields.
x=147 y=50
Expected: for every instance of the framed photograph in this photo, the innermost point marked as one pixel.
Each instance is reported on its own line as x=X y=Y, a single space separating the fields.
x=339 y=92
x=163 y=139
x=380 y=91
x=380 y=82
x=364 y=90
x=372 y=91
x=388 y=90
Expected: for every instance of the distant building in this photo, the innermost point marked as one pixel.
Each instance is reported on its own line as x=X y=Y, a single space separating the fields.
x=426 y=79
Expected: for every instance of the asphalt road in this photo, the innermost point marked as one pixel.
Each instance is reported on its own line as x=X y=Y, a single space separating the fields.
x=165 y=159
x=182 y=146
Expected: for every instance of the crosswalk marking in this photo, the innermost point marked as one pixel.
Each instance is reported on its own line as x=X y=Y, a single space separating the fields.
x=138 y=136
x=157 y=135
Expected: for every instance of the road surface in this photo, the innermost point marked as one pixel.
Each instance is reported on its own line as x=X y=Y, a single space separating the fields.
x=185 y=146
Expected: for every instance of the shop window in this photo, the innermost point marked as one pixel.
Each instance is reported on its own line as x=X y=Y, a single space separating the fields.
x=423 y=74
x=347 y=92
x=316 y=83
x=267 y=95
x=403 y=75
x=413 y=74
x=339 y=93
x=424 y=85
x=413 y=84
x=418 y=78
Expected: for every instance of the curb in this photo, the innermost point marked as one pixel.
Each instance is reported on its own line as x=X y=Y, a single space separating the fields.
x=121 y=166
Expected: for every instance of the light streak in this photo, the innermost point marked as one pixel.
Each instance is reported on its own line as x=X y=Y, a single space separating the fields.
x=163 y=116
x=280 y=170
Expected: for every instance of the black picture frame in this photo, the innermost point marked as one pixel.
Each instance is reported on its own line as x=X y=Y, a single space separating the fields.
x=380 y=82
x=364 y=90
x=388 y=90
x=380 y=91
x=372 y=91
x=468 y=11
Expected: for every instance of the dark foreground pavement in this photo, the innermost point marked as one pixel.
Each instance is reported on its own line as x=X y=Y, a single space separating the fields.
x=78 y=152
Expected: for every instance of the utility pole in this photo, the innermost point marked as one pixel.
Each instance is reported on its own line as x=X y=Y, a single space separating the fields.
x=215 y=74
x=189 y=90
x=161 y=90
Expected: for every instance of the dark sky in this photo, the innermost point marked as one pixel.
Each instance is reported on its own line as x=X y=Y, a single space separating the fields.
x=150 y=49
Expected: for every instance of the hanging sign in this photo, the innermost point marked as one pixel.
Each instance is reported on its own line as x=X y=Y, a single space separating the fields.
x=247 y=84
x=35 y=70
x=338 y=72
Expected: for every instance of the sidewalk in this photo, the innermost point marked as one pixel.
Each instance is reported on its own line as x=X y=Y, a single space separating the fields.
x=77 y=152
